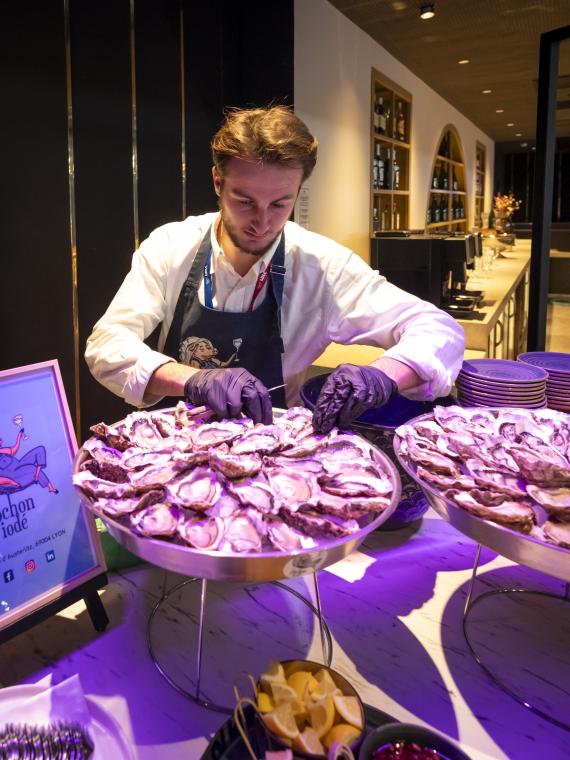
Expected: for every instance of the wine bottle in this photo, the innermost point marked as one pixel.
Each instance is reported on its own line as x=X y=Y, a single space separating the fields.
x=428 y=215
x=443 y=212
x=395 y=171
x=435 y=210
x=444 y=178
x=381 y=171
x=385 y=218
x=375 y=220
x=388 y=169
x=376 y=117
x=435 y=180
x=395 y=217
x=382 y=117
x=454 y=185
x=401 y=123
x=389 y=120
x=375 y=168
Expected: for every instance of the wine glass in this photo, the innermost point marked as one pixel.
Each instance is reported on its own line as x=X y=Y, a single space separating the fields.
x=18 y=419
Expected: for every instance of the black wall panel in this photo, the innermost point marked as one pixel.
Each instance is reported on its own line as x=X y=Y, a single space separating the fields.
x=35 y=285
x=235 y=54
x=100 y=46
x=159 y=113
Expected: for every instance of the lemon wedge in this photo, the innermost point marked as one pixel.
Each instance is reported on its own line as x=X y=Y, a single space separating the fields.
x=308 y=741
x=281 y=721
x=321 y=716
x=273 y=674
x=324 y=686
x=299 y=681
x=343 y=733
x=282 y=692
x=264 y=702
x=349 y=710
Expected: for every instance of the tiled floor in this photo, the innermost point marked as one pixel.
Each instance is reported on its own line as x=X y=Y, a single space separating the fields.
x=558 y=327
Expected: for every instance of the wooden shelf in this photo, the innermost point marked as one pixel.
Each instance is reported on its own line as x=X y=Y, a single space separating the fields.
x=447 y=170
x=391 y=140
x=480 y=169
x=389 y=208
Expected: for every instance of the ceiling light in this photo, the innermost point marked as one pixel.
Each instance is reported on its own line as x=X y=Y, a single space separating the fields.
x=510 y=124
x=518 y=134
x=486 y=92
x=500 y=110
x=463 y=60
x=427 y=10
x=524 y=145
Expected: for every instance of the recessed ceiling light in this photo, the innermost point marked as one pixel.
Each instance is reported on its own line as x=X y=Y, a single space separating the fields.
x=533 y=148
x=518 y=134
x=510 y=124
x=427 y=10
x=524 y=145
x=463 y=60
x=500 y=110
x=486 y=92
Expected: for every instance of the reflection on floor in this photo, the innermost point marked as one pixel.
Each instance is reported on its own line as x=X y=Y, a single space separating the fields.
x=558 y=326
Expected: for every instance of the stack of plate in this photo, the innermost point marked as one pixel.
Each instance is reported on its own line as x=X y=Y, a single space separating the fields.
x=500 y=382
x=557 y=366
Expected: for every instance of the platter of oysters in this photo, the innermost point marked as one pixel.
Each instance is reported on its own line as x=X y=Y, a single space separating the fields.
x=499 y=475
x=234 y=500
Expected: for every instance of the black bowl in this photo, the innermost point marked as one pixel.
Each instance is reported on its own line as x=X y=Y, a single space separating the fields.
x=408 y=732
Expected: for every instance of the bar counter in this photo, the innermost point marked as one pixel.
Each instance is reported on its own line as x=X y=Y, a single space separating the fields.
x=395 y=612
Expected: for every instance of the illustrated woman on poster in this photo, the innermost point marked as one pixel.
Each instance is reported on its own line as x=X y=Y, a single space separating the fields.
x=18 y=474
x=200 y=353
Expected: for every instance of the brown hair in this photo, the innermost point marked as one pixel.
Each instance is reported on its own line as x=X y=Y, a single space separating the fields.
x=273 y=135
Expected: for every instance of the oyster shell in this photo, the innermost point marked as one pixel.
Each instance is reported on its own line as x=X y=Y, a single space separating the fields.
x=292 y=488
x=197 y=489
x=142 y=431
x=541 y=468
x=452 y=419
x=557 y=533
x=135 y=459
x=488 y=477
x=458 y=481
x=357 y=507
x=517 y=515
x=225 y=506
x=117 y=507
x=105 y=470
x=429 y=458
x=356 y=481
x=304 y=446
x=253 y=492
x=99 y=450
x=156 y=520
x=240 y=535
x=287 y=539
x=215 y=433
x=232 y=465
x=112 y=436
x=310 y=464
x=318 y=525
x=296 y=421
x=202 y=534
x=263 y=439
x=93 y=486
x=158 y=475
x=556 y=501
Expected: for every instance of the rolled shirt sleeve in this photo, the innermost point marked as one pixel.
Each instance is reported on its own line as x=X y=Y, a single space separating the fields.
x=365 y=308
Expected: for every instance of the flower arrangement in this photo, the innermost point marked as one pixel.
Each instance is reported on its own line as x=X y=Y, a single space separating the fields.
x=506 y=205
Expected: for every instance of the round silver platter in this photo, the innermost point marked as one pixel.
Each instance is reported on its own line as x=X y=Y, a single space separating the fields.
x=254 y=567
x=518 y=547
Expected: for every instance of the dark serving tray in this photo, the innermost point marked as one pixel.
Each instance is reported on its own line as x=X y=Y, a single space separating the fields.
x=227 y=744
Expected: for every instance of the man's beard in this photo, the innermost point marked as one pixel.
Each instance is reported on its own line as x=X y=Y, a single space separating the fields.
x=233 y=236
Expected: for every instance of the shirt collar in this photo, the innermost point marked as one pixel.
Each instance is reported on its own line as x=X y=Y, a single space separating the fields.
x=218 y=254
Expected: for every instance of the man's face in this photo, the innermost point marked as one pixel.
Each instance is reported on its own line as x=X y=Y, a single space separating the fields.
x=255 y=202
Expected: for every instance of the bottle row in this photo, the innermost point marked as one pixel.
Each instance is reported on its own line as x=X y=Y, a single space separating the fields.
x=441 y=178
x=390 y=124
x=439 y=210
x=385 y=169
x=387 y=219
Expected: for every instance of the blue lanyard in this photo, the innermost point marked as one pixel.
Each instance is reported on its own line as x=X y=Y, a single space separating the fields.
x=260 y=282
x=208 y=283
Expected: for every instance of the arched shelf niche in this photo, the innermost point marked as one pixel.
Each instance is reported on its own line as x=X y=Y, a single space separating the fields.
x=447 y=201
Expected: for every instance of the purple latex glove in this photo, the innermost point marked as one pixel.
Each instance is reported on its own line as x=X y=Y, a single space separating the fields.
x=228 y=392
x=348 y=392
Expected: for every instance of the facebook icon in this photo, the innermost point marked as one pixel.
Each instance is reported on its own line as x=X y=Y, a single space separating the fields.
x=50 y=555
x=8 y=576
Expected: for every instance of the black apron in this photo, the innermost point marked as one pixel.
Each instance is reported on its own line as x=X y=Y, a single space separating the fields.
x=214 y=338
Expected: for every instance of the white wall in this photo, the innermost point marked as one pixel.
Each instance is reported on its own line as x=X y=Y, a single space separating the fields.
x=333 y=68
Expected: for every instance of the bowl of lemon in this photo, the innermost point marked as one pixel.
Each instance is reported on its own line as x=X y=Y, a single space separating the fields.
x=309 y=707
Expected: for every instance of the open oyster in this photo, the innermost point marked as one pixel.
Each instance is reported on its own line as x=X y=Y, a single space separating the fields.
x=142 y=431
x=202 y=534
x=232 y=465
x=240 y=535
x=292 y=488
x=556 y=501
x=558 y=533
x=318 y=525
x=112 y=436
x=517 y=515
x=197 y=489
x=215 y=433
x=253 y=492
x=355 y=481
x=263 y=439
x=157 y=520
x=287 y=539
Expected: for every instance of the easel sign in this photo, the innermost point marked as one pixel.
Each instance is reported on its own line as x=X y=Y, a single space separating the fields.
x=50 y=554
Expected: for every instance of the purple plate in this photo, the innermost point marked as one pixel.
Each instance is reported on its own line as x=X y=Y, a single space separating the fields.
x=474 y=382
x=500 y=403
x=548 y=360
x=503 y=370
x=481 y=390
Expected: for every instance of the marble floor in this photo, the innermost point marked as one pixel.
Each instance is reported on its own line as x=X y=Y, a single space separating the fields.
x=395 y=613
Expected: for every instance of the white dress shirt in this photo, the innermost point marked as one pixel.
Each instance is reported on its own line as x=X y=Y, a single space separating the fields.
x=330 y=295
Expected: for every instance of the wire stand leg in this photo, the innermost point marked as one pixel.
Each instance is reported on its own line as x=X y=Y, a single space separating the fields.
x=203 y=592
x=472 y=581
x=321 y=621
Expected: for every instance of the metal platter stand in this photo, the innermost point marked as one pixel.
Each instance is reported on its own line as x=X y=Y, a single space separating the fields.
x=518 y=547
x=261 y=567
